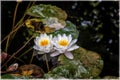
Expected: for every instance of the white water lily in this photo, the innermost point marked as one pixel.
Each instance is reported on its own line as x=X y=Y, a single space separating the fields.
x=64 y=44
x=53 y=23
x=43 y=43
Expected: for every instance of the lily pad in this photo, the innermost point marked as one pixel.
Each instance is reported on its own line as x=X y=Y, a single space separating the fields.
x=44 y=11
x=15 y=76
x=86 y=64
x=69 y=29
x=7 y=76
x=31 y=70
x=36 y=26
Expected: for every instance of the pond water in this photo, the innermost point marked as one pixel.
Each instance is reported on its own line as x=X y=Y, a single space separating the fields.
x=97 y=22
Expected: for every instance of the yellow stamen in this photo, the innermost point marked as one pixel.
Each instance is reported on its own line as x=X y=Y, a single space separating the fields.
x=44 y=42
x=63 y=42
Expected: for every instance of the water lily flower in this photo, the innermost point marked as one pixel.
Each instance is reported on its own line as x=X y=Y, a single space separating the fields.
x=64 y=44
x=53 y=23
x=43 y=43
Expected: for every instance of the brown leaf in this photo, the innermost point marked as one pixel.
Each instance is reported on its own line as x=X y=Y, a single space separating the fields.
x=27 y=73
x=30 y=70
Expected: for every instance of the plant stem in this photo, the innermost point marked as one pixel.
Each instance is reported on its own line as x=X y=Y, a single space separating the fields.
x=21 y=20
x=32 y=57
x=7 y=43
x=15 y=29
x=12 y=32
x=26 y=52
x=18 y=59
x=47 y=62
x=15 y=14
x=8 y=38
x=17 y=51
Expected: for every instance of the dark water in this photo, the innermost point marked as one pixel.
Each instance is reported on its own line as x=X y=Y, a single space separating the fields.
x=97 y=22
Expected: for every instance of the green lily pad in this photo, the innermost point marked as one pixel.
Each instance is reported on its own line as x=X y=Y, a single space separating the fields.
x=10 y=76
x=86 y=64
x=44 y=11
x=69 y=29
x=7 y=76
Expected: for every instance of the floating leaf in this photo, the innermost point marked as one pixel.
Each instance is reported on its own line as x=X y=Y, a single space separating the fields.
x=69 y=29
x=29 y=70
x=36 y=25
x=16 y=77
x=27 y=73
x=44 y=11
x=7 y=76
x=86 y=64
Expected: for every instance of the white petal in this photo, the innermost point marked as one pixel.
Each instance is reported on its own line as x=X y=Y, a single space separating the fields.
x=36 y=42
x=36 y=47
x=65 y=37
x=73 y=48
x=47 y=49
x=40 y=52
x=41 y=35
x=37 y=38
x=72 y=43
x=60 y=49
x=69 y=38
x=54 y=54
x=50 y=37
x=69 y=55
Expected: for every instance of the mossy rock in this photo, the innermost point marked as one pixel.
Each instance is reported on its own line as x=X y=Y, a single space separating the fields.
x=86 y=64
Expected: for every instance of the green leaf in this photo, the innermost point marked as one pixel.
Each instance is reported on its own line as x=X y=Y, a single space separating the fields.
x=7 y=76
x=11 y=76
x=44 y=11
x=86 y=64
x=69 y=29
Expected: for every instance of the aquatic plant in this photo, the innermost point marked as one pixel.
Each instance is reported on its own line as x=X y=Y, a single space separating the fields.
x=43 y=43
x=64 y=44
x=52 y=35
